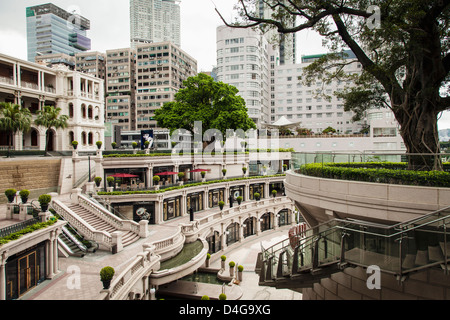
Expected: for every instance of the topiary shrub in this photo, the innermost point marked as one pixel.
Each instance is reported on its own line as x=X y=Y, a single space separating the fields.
x=222 y=296
x=107 y=273
x=10 y=194
x=205 y=298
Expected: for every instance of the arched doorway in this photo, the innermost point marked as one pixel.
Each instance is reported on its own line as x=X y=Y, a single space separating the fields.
x=249 y=227
x=266 y=222
x=232 y=233
x=214 y=242
x=51 y=140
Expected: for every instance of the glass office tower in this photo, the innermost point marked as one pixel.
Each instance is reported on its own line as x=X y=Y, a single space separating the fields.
x=51 y=29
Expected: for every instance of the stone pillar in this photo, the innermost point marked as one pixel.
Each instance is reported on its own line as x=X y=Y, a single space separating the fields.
x=143 y=228
x=50 y=252
x=55 y=252
x=3 y=258
x=258 y=224
x=117 y=241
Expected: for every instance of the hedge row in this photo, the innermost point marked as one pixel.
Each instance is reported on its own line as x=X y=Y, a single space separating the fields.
x=143 y=154
x=29 y=229
x=376 y=172
x=120 y=193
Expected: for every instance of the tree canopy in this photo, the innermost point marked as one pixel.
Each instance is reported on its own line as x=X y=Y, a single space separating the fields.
x=14 y=118
x=402 y=45
x=215 y=104
x=50 y=117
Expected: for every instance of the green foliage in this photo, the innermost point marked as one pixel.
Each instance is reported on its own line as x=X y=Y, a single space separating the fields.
x=223 y=258
x=27 y=230
x=99 y=144
x=244 y=170
x=156 y=179
x=24 y=193
x=45 y=199
x=10 y=192
x=74 y=143
x=380 y=172
x=232 y=264
x=222 y=296
x=14 y=118
x=239 y=199
x=113 y=145
x=107 y=273
x=240 y=268
x=221 y=204
x=134 y=144
x=205 y=298
x=181 y=175
x=120 y=193
x=110 y=180
x=257 y=195
x=215 y=104
x=208 y=256
x=98 y=180
x=50 y=117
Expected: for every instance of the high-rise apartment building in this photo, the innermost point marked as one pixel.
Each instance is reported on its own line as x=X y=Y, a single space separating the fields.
x=243 y=60
x=161 y=69
x=120 y=88
x=154 y=21
x=92 y=62
x=51 y=30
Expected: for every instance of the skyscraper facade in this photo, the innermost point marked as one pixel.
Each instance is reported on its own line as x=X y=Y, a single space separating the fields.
x=154 y=21
x=51 y=30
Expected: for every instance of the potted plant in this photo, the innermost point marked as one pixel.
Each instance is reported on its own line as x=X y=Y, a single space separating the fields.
x=113 y=145
x=44 y=201
x=203 y=173
x=232 y=264
x=208 y=260
x=239 y=200
x=98 y=180
x=10 y=194
x=74 y=145
x=224 y=172
x=106 y=275
x=205 y=298
x=110 y=181
x=156 y=180
x=274 y=193
x=222 y=296
x=244 y=170
x=99 y=144
x=240 y=271
x=146 y=144
x=181 y=177
x=222 y=261
x=221 y=205
x=134 y=144
x=284 y=167
x=257 y=196
x=24 y=194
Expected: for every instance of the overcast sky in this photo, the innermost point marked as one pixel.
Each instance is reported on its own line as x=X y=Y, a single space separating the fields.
x=110 y=28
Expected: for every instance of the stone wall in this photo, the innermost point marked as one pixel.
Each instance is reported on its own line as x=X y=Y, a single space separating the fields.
x=37 y=175
x=351 y=284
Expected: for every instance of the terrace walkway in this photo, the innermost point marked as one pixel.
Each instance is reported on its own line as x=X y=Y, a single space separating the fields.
x=79 y=278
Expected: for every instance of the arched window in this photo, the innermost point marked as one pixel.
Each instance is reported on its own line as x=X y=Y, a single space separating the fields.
x=90 y=112
x=71 y=137
x=90 y=138
x=83 y=111
x=83 y=138
x=71 y=110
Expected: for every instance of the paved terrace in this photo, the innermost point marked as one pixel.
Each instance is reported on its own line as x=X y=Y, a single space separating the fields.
x=88 y=287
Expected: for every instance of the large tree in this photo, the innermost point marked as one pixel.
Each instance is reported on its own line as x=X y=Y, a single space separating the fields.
x=50 y=117
x=202 y=99
x=404 y=56
x=14 y=118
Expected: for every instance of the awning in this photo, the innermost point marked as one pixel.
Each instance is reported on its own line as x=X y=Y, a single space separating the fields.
x=124 y=175
x=169 y=173
x=200 y=170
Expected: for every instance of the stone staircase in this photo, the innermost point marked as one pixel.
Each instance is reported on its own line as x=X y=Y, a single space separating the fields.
x=128 y=237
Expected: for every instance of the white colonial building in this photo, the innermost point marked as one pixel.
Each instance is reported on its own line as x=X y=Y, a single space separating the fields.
x=80 y=96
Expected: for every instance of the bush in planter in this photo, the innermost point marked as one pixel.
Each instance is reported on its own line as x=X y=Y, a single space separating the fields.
x=221 y=204
x=274 y=193
x=10 y=194
x=224 y=172
x=181 y=175
x=257 y=196
x=223 y=258
x=222 y=296
x=146 y=144
x=205 y=298
x=110 y=181
x=203 y=173
x=156 y=179
x=98 y=180
x=239 y=199
x=134 y=145
x=44 y=200
x=106 y=275
x=244 y=170
x=232 y=264
x=24 y=194
x=240 y=268
x=99 y=144
x=113 y=145
x=74 y=144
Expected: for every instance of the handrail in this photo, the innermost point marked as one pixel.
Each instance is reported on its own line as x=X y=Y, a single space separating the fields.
x=340 y=227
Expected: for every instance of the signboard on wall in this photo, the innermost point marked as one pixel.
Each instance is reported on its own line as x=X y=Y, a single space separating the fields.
x=146 y=135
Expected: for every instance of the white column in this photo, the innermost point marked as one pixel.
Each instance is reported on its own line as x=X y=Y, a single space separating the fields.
x=3 y=257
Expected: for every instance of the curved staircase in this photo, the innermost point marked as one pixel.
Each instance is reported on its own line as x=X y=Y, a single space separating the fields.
x=96 y=223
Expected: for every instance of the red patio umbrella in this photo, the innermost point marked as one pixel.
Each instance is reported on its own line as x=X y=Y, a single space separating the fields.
x=124 y=175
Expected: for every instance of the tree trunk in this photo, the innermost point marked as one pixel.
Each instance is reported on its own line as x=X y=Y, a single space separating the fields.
x=419 y=130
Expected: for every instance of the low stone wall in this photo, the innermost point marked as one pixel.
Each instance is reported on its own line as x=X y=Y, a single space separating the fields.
x=37 y=175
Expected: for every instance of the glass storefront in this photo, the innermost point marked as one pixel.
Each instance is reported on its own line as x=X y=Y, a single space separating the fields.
x=194 y=201
x=215 y=196
x=24 y=271
x=214 y=243
x=144 y=211
x=172 y=208
x=249 y=227
x=256 y=188
x=232 y=233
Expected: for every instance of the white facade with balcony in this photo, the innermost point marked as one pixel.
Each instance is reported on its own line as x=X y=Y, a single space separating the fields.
x=33 y=86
